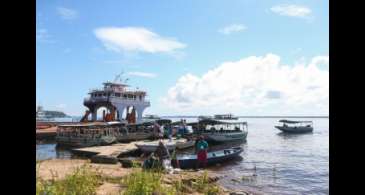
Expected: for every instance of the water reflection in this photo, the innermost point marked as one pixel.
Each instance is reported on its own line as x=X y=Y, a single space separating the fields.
x=292 y=135
x=50 y=151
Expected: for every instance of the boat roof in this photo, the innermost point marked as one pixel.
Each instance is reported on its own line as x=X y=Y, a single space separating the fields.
x=92 y=124
x=152 y=121
x=293 y=122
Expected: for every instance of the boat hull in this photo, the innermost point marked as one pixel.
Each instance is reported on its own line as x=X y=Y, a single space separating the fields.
x=133 y=137
x=226 y=137
x=184 y=145
x=78 y=142
x=152 y=147
x=295 y=129
x=189 y=161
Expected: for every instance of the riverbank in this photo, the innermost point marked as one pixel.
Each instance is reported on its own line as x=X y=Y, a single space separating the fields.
x=114 y=179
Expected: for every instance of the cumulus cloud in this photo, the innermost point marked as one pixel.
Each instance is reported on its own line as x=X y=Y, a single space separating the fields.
x=254 y=84
x=142 y=74
x=136 y=39
x=66 y=13
x=232 y=29
x=291 y=10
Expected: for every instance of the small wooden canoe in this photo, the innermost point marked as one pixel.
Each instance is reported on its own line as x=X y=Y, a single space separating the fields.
x=189 y=161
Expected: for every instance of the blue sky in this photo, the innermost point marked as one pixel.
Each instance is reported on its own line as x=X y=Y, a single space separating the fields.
x=179 y=52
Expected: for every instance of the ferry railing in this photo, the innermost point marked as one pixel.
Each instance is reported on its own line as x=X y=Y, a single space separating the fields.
x=113 y=98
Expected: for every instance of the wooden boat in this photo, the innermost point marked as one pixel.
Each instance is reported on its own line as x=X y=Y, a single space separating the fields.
x=295 y=126
x=87 y=134
x=189 y=161
x=220 y=131
x=134 y=132
x=151 y=146
x=139 y=131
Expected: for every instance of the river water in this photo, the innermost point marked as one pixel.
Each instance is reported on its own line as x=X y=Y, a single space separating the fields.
x=272 y=162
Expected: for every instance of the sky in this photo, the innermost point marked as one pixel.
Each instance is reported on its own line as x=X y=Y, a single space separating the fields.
x=193 y=57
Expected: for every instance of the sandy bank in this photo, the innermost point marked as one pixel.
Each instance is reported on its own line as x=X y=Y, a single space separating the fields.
x=112 y=173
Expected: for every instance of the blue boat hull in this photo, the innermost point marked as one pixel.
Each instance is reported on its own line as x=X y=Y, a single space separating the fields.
x=189 y=161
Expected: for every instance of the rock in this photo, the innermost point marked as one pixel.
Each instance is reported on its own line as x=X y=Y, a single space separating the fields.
x=104 y=159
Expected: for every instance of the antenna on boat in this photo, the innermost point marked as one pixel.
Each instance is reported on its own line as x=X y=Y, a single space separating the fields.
x=119 y=77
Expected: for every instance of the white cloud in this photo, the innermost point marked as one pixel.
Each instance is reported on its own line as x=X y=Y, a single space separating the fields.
x=253 y=84
x=142 y=74
x=291 y=10
x=232 y=29
x=135 y=39
x=66 y=13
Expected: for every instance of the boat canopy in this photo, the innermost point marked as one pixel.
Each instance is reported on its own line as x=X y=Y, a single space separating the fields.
x=293 y=122
x=158 y=121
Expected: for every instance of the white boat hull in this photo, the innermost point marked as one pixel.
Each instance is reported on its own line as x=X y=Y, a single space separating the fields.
x=151 y=146
x=225 y=137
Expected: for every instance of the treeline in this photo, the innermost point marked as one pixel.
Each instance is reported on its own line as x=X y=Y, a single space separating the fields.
x=54 y=114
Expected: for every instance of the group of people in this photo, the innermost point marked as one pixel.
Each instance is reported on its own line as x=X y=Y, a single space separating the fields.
x=159 y=130
x=161 y=158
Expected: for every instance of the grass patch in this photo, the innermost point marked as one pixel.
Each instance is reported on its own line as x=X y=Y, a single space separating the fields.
x=147 y=182
x=83 y=181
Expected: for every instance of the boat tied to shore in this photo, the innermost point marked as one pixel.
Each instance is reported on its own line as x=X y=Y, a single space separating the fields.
x=151 y=146
x=87 y=134
x=187 y=161
x=221 y=131
x=140 y=131
x=295 y=126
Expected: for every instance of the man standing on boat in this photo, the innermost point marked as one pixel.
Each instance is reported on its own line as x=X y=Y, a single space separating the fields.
x=201 y=148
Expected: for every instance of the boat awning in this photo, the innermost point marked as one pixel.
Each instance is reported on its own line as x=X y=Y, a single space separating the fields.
x=294 y=122
x=158 y=121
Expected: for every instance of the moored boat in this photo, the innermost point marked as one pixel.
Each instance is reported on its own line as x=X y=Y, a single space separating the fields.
x=151 y=146
x=189 y=161
x=219 y=131
x=85 y=135
x=295 y=126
